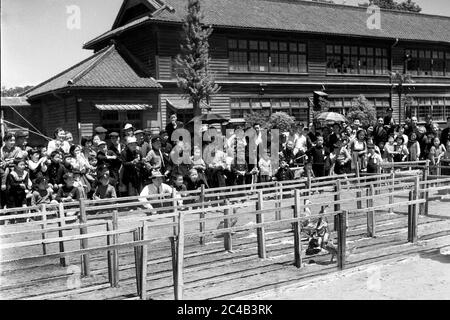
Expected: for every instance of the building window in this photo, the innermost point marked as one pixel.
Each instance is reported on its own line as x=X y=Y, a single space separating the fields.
x=114 y=121
x=437 y=107
x=343 y=105
x=267 y=56
x=428 y=63
x=296 y=107
x=356 y=60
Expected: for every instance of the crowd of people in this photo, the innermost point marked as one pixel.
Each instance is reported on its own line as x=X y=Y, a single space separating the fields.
x=108 y=165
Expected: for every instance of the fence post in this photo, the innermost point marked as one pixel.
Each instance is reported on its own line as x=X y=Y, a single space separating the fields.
x=371 y=213
x=297 y=232
x=260 y=231
x=109 y=241
x=342 y=237
x=202 y=214
x=427 y=173
x=115 y=252
x=144 y=259
x=379 y=172
x=358 y=193
x=173 y=250
x=227 y=239
x=280 y=199
x=61 y=223
x=175 y=210
x=392 y=190
x=137 y=259
x=180 y=257
x=337 y=206
x=412 y=212
x=308 y=183
x=85 y=259
x=44 y=226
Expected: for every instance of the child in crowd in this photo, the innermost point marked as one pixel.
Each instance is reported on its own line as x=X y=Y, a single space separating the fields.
x=265 y=167
x=401 y=151
x=37 y=166
x=68 y=192
x=42 y=193
x=198 y=163
x=178 y=184
x=414 y=148
x=373 y=159
x=389 y=149
x=55 y=171
x=437 y=152
x=195 y=181
x=284 y=173
x=104 y=189
x=18 y=185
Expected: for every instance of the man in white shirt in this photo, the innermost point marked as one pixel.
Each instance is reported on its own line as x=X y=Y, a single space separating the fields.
x=157 y=187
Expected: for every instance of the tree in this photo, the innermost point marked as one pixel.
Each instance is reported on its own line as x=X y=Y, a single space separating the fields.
x=324 y=107
x=194 y=76
x=281 y=121
x=364 y=111
x=14 y=92
x=257 y=117
x=407 y=5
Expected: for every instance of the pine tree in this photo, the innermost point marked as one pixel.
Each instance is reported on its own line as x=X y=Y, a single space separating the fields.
x=194 y=76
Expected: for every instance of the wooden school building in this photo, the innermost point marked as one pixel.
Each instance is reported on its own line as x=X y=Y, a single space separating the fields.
x=267 y=56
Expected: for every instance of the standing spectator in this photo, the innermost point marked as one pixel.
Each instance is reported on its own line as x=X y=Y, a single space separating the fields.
x=401 y=151
x=343 y=159
x=101 y=133
x=317 y=157
x=173 y=125
x=373 y=159
x=131 y=160
x=198 y=164
x=128 y=131
x=413 y=148
x=380 y=133
x=437 y=151
x=445 y=134
x=22 y=143
x=8 y=153
x=156 y=159
x=358 y=148
x=389 y=121
x=69 y=138
x=87 y=148
x=157 y=187
x=59 y=142
x=143 y=146
x=335 y=136
x=389 y=149
x=265 y=168
x=114 y=144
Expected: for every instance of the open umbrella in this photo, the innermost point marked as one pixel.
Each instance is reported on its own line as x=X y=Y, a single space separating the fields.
x=331 y=116
x=209 y=118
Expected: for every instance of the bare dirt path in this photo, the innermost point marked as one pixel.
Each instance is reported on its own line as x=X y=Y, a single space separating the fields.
x=424 y=276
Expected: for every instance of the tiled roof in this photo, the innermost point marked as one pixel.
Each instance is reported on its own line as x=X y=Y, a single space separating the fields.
x=14 y=102
x=307 y=16
x=105 y=69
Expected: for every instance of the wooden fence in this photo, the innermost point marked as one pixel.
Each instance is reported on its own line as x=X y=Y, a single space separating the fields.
x=256 y=197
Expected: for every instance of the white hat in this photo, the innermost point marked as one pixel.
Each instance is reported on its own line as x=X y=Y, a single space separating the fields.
x=128 y=126
x=131 y=140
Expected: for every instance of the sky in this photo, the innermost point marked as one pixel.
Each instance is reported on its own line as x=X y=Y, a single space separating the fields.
x=41 y=38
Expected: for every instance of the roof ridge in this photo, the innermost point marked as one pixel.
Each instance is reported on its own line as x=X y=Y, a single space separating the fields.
x=327 y=4
x=94 y=63
x=64 y=71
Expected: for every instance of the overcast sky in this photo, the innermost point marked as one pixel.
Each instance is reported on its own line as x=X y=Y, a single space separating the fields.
x=37 y=42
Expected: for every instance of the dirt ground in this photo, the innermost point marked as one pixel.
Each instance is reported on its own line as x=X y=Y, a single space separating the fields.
x=424 y=277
